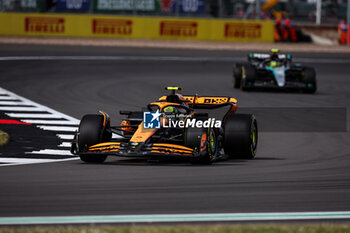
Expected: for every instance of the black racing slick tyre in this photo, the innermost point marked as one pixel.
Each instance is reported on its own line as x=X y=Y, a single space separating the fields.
x=193 y=137
x=310 y=80
x=205 y=142
x=248 y=78
x=237 y=75
x=240 y=136
x=91 y=132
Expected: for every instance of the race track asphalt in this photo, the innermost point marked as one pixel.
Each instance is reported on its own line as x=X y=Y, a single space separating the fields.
x=293 y=171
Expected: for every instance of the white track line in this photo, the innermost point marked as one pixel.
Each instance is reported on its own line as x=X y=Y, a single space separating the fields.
x=58 y=128
x=47 y=109
x=178 y=218
x=22 y=161
x=33 y=115
x=14 y=103
x=59 y=123
x=70 y=136
x=21 y=109
x=7 y=98
x=48 y=122
x=65 y=123
x=51 y=152
x=65 y=136
x=65 y=144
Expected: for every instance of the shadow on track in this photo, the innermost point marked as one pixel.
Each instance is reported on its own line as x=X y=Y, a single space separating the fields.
x=173 y=162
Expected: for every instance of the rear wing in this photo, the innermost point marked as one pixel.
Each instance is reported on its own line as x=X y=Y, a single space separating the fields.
x=209 y=102
x=205 y=101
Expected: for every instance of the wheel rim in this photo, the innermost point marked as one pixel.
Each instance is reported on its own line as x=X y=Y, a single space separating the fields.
x=212 y=142
x=254 y=139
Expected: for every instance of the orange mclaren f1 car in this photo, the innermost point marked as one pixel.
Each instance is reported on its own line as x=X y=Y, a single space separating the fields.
x=170 y=127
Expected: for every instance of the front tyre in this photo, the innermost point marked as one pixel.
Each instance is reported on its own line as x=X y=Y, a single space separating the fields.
x=240 y=136
x=310 y=80
x=237 y=75
x=92 y=132
x=248 y=78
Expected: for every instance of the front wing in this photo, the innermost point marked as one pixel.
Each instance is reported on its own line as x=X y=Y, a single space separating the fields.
x=126 y=149
x=265 y=79
x=273 y=85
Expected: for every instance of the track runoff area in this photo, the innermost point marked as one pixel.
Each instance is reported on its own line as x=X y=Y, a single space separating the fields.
x=21 y=112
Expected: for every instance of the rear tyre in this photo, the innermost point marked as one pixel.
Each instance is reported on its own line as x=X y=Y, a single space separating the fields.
x=91 y=132
x=240 y=136
x=193 y=137
x=310 y=80
x=248 y=78
x=237 y=75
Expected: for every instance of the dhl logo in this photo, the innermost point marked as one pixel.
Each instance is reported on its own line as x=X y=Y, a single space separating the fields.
x=214 y=100
x=44 y=24
x=112 y=26
x=243 y=30
x=178 y=28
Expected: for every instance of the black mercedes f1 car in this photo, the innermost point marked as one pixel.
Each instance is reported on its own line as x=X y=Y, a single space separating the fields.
x=273 y=71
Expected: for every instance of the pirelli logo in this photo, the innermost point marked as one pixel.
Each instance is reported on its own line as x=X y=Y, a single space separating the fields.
x=44 y=24
x=178 y=29
x=243 y=30
x=112 y=26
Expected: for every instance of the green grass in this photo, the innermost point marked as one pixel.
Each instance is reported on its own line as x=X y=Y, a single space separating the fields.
x=186 y=229
x=4 y=138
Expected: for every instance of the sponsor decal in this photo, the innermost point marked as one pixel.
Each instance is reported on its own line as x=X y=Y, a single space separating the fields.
x=179 y=28
x=167 y=5
x=193 y=6
x=183 y=6
x=190 y=123
x=203 y=142
x=265 y=55
x=151 y=120
x=28 y=3
x=154 y=120
x=44 y=24
x=213 y=100
x=243 y=30
x=112 y=26
x=110 y=5
x=72 y=5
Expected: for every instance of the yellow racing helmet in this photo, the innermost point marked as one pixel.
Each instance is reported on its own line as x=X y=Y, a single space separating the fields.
x=169 y=109
x=274 y=54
